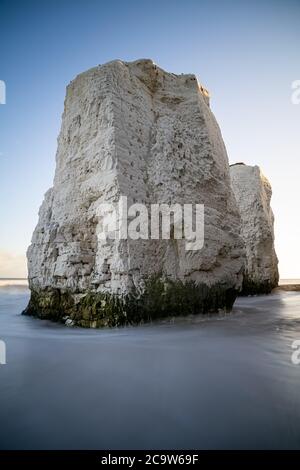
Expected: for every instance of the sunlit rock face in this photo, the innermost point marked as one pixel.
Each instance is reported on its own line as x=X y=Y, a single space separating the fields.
x=134 y=130
x=253 y=195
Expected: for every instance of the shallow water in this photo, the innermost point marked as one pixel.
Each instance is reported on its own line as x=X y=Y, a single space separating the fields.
x=217 y=382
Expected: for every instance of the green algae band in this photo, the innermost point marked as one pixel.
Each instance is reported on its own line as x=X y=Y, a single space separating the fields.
x=159 y=299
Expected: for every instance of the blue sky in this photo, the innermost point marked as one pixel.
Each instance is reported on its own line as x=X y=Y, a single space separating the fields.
x=245 y=53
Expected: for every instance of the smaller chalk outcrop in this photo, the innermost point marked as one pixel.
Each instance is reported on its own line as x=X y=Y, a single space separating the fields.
x=253 y=195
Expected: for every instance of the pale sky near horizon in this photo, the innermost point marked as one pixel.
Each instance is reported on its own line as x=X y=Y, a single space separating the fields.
x=245 y=53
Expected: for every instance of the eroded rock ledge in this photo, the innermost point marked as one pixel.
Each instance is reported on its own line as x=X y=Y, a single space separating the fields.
x=132 y=129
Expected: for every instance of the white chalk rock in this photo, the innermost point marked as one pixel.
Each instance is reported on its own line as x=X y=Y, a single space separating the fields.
x=134 y=130
x=253 y=195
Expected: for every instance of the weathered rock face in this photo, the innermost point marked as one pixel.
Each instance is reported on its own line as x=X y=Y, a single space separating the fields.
x=132 y=129
x=253 y=195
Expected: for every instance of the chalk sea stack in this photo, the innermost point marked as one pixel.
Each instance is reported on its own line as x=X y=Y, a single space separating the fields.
x=134 y=130
x=253 y=194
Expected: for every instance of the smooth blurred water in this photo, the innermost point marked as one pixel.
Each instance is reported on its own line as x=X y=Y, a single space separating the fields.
x=217 y=382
